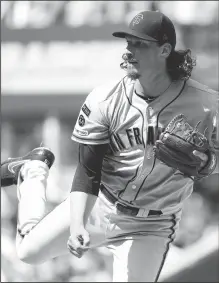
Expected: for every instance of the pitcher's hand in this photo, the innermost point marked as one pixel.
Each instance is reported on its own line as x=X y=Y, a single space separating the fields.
x=78 y=242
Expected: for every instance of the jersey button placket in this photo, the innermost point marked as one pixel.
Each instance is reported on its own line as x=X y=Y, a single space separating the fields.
x=151 y=121
x=130 y=192
x=134 y=187
x=150 y=114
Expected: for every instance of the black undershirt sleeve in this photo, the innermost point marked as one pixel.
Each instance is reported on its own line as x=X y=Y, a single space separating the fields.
x=88 y=173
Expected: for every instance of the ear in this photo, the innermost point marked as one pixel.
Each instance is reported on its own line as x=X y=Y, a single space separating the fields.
x=165 y=50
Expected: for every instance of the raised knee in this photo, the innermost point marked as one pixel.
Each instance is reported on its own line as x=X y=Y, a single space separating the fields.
x=25 y=257
x=29 y=257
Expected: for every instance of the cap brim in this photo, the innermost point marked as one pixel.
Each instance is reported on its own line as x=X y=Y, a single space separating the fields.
x=123 y=34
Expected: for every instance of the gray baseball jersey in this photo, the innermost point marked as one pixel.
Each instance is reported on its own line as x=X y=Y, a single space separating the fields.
x=116 y=115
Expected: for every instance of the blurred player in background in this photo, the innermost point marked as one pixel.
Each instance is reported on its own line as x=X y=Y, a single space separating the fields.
x=122 y=197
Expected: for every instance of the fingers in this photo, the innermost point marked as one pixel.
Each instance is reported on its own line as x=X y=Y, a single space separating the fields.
x=78 y=245
x=85 y=240
x=75 y=248
x=78 y=253
x=202 y=156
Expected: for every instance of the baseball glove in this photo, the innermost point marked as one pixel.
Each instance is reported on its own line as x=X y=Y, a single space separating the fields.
x=176 y=144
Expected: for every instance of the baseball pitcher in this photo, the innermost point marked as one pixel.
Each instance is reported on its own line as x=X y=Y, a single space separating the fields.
x=143 y=141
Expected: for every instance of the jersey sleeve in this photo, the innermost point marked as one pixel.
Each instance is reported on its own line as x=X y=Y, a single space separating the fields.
x=88 y=173
x=91 y=126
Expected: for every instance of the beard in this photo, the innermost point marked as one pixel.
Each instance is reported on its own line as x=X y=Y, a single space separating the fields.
x=132 y=72
x=129 y=67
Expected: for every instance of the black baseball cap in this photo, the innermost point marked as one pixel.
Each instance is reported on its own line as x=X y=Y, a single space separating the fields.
x=152 y=26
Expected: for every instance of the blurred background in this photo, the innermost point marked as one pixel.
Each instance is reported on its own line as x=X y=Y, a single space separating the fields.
x=53 y=53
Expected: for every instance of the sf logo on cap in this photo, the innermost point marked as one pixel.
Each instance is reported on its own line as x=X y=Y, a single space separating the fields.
x=137 y=19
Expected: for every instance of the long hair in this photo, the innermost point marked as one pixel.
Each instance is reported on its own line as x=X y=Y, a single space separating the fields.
x=180 y=64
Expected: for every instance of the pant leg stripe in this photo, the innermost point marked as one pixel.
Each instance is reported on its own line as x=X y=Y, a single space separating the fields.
x=173 y=220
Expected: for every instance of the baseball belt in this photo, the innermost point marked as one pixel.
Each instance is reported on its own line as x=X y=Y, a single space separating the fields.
x=125 y=208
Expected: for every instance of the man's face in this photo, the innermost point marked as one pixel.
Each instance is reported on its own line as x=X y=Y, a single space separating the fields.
x=142 y=57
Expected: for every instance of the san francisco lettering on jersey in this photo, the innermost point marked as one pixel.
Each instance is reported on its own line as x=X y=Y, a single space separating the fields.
x=133 y=137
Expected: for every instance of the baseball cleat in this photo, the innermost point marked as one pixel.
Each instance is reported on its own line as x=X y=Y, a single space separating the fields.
x=11 y=167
